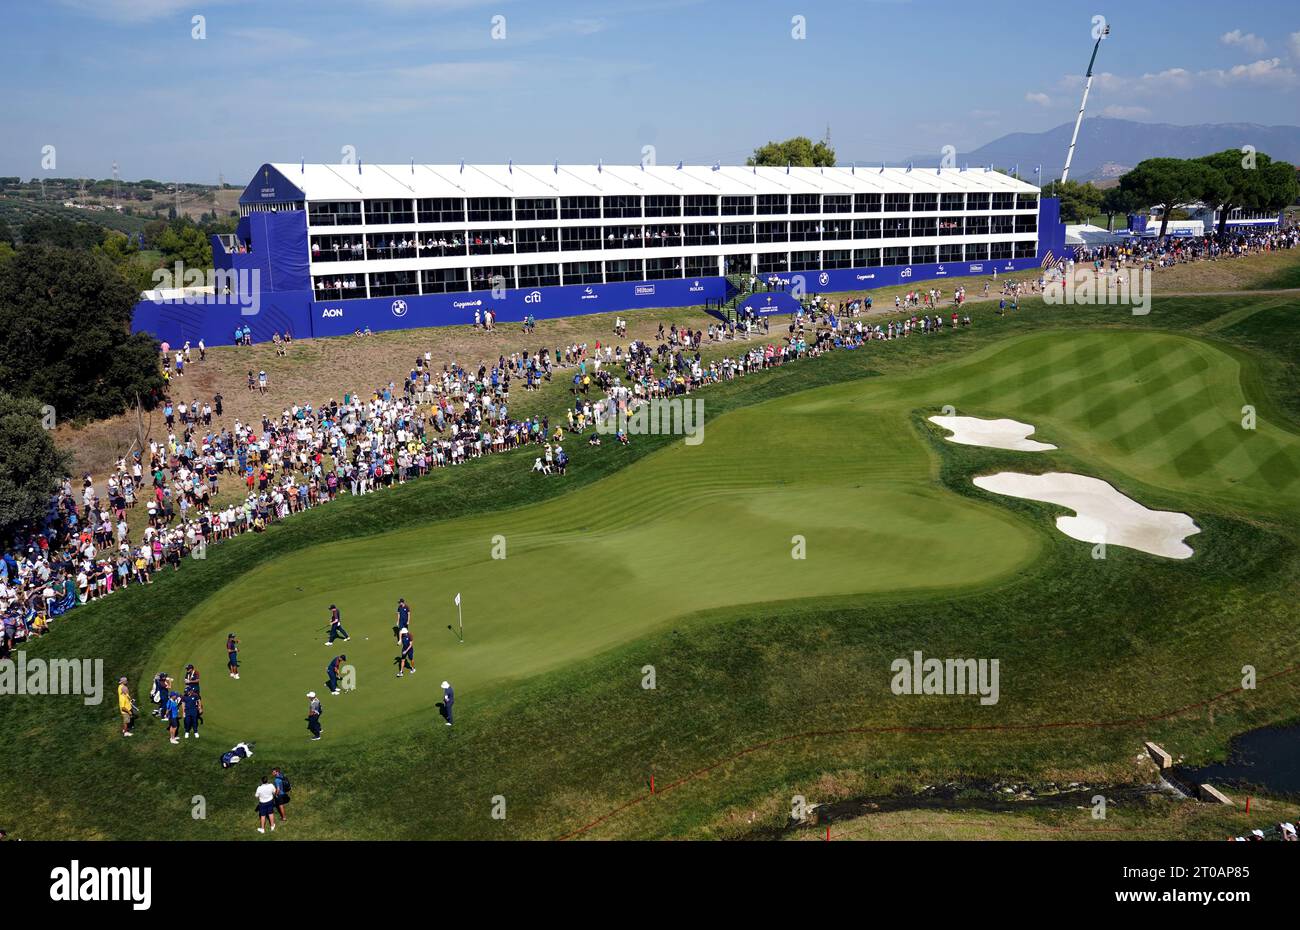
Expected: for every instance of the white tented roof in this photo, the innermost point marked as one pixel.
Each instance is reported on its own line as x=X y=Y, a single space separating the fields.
x=346 y=182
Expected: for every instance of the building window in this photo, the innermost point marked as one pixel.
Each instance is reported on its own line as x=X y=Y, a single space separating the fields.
x=977 y=202
x=1026 y=222
x=338 y=248
x=866 y=203
x=701 y=234
x=539 y=275
x=925 y=203
x=977 y=252
x=626 y=207
x=896 y=228
x=837 y=203
x=895 y=255
x=700 y=205
x=663 y=205
x=925 y=226
x=393 y=283
x=773 y=204
x=701 y=266
x=737 y=206
x=583 y=273
x=805 y=231
x=999 y=250
x=442 y=244
x=491 y=242
x=805 y=261
x=657 y=269
x=335 y=213
x=490 y=210
x=950 y=202
x=866 y=258
x=1000 y=225
x=949 y=252
x=386 y=245
x=388 y=212
x=488 y=277
x=1026 y=248
x=837 y=258
x=443 y=281
x=622 y=237
x=923 y=254
x=441 y=209
x=624 y=270
x=977 y=225
x=805 y=203
x=898 y=203
x=1004 y=201
x=340 y=287
x=741 y=263
x=772 y=232
x=866 y=229
x=737 y=233
x=1026 y=201
x=530 y=239
x=837 y=229
x=773 y=263
x=578 y=238
x=663 y=235
x=579 y=208
x=950 y=226
x=528 y=209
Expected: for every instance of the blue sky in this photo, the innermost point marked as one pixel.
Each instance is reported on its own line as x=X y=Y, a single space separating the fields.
x=578 y=80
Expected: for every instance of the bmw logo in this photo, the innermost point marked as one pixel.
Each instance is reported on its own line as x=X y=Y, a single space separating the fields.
x=823 y=279
x=399 y=308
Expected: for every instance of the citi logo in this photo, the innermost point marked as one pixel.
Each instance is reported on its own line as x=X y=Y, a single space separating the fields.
x=534 y=297
x=905 y=273
x=104 y=883
x=331 y=313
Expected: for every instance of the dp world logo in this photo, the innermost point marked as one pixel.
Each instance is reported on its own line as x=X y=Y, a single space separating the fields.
x=399 y=308
x=823 y=279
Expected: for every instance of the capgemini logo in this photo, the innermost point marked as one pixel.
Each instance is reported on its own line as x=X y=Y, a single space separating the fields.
x=399 y=308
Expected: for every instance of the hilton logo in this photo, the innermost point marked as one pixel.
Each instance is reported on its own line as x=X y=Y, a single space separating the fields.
x=399 y=308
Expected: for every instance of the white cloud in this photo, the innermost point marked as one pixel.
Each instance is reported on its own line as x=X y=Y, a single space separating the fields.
x=1247 y=40
x=1039 y=98
x=1264 y=71
x=1119 y=112
x=1295 y=45
x=445 y=73
x=132 y=11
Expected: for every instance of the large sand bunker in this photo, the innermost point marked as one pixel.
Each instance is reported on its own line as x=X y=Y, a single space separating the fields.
x=1103 y=514
x=993 y=434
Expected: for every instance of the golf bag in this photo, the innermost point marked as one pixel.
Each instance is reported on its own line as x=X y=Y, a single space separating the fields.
x=234 y=756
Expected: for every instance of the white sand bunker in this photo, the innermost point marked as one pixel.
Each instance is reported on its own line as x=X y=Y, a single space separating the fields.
x=993 y=434
x=1103 y=513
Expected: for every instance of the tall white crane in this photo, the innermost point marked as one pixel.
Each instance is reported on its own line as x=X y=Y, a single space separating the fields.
x=1087 y=86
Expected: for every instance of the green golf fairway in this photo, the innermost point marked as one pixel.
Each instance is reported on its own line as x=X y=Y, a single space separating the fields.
x=840 y=466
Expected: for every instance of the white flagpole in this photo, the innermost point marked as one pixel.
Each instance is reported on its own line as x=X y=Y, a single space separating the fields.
x=460 y=621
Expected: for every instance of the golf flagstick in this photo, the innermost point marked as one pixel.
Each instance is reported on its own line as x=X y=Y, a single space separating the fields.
x=460 y=620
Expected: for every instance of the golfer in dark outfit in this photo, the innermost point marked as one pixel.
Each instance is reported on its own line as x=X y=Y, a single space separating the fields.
x=332 y=671
x=313 y=714
x=448 y=698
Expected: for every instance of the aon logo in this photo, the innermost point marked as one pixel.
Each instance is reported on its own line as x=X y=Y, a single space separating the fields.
x=331 y=312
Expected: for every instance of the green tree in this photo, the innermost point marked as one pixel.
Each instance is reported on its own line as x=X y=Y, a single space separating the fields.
x=1078 y=201
x=1253 y=181
x=1166 y=183
x=31 y=466
x=799 y=151
x=64 y=233
x=65 y=335
x=1117 y=202
x=184 y=242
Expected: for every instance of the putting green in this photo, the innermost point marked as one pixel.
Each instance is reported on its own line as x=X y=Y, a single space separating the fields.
x=697 y=527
